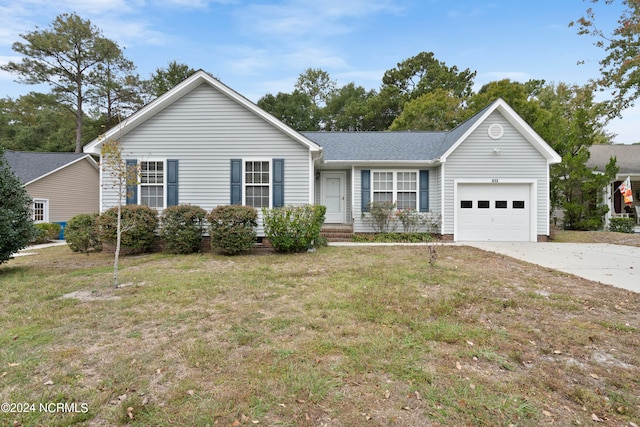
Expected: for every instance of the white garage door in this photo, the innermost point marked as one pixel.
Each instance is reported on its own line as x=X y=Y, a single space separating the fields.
x=493 y=212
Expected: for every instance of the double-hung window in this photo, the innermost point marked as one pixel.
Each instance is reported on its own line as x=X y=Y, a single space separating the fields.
x=257 y=181
x=152 y=180
x=40 y=210
x=394 y=186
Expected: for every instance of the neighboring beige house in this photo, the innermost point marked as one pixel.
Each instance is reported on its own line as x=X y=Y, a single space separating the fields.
x=62 y=185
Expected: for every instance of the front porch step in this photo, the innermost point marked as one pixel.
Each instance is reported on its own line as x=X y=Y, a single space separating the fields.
x=337 y=232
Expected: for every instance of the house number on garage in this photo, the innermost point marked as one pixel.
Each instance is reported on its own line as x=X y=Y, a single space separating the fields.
x=494 y=180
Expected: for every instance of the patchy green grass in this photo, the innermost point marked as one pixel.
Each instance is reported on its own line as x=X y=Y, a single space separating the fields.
x=344 y=336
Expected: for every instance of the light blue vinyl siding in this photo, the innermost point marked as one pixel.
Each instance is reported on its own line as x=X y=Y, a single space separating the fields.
x=359 y=226
x=476 y=159
x=204 y=130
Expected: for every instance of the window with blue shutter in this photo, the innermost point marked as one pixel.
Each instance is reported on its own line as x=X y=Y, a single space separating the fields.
x=236 y=182
x=172 y=182
x=278 y=183
x=424 y=190
x=365 y=186
x=132 y=190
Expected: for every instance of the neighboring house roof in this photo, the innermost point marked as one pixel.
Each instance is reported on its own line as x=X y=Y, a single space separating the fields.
x=198 y=78
x=627 y=157
x=418 y=146
x=32 y=166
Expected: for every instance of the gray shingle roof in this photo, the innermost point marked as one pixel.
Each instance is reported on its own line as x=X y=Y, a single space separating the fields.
x=627 y=157
x=389 y=146
x=28 y=166
x=379 y=146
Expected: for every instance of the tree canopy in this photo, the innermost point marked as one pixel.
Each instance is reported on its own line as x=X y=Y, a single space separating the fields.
x=66 y=56
x=620 y=67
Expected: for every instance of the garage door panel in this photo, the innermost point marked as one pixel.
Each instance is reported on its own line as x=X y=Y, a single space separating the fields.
x=493 y=212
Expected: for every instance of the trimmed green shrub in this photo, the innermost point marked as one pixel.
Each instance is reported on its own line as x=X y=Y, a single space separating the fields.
x=181 y=228
x=45 y=232
x=139 y=223
x=294 y=228
x=232 y=228
x=81 y=233
x=622 y=225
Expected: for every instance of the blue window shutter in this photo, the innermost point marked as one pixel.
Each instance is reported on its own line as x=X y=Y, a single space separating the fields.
x=132 y=190
x=424 y=190
x=365 y=187
x=278 y=183
x=236 y=182
x=172 y=182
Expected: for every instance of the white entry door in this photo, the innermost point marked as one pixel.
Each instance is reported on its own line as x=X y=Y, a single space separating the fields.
x=333 y=196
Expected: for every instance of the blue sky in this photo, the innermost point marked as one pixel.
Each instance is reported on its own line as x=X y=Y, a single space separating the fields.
x=258 y=47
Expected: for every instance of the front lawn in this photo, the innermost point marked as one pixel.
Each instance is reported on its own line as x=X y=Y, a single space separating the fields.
x=345 y=336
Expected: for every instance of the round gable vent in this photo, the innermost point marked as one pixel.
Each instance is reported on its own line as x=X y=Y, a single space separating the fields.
x=495 y=131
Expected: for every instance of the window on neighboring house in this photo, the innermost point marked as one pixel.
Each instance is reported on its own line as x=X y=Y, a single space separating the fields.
x=40 y=210
x=401 y=187
x=257 y=179
x=152 y=179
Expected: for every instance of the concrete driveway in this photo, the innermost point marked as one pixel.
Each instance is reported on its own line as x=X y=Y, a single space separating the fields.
x=615 y=265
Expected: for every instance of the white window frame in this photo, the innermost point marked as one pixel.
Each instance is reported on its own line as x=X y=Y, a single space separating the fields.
x=244 y=179
x=163 y=185
x=45 y=210
x=395 y=190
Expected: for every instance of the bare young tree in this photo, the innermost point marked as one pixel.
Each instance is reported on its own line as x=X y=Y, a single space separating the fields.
x=122 y=177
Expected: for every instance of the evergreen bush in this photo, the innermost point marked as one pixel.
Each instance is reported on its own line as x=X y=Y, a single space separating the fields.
x=294 y=228
x=181 y=228
x=81 y=233
x=622 y=225
x=232 y=228
x=139 y=223
x=16 y=223
x=45 y=232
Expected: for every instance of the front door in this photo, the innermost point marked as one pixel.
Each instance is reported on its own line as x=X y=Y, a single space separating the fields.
x=333 y=196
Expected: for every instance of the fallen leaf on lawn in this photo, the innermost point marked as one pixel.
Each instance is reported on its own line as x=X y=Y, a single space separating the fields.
x=470 y=343
x=300 y=400
x=11 y=365
x=130 y=412
x=418 y=395
x=190 y=392
x=145 y=400
x=49 y=383
x=282 y=405
x=594 y=376
x=122 y=397
x=307 y=417
x=595 y=418
x=546 y=413
x=236 y=423
x=406 y=408
x=387 y=394
x=458 y=366
x=557 y=352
